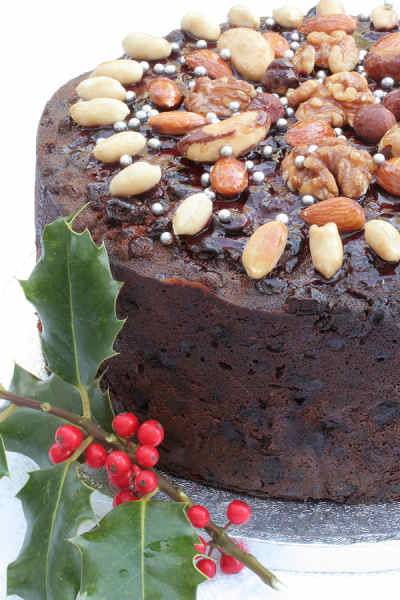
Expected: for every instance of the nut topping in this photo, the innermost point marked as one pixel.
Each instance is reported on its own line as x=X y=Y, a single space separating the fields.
x=211 y=61
x=383 y=58
x=326 y=249
x=99 y=111
x=336 y=50
x=270 y=104
x=345 y=212
x=328 y=24
x=384 y=18
x=392 y=102
x=125 y=71
x=135 y=179
x=264 y=249
x=177 y=122
x=280 y=76
x=390 y=143
x=229 y=177
x=384 y=239
x=145 y=46
x=329 y=7
x=216 y=96
x=308 y=132
x=241 y=16
x=251 y=54
x=304 y=60
x=192 y=215
x=100 y=87
x=112 y=148
x=200 y=27
x=288 y=16
x=164 y=93
x=388 y=176
x=372 y=122
x=277 y=42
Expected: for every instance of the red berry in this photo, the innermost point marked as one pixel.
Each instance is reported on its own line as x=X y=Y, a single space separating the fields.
x=121 y=481
x=238 y=512
x=69 y=437
x=118 y=462
x=124 y=496
x=58 y=454
x=151 y=433
x=230 y=565
x=135 y=470
x=125 y=425
x=198 y=516
x=146 y=482
x=95 y=456
x=207 y=567
x=147 y=456
x=201 y=546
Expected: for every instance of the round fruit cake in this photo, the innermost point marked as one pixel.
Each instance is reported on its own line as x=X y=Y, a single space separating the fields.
x=245 y=179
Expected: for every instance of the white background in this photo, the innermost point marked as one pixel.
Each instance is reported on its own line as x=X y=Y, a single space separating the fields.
x=44 y=44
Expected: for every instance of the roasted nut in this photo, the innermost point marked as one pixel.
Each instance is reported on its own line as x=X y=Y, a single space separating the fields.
x=241 y=132
x=125 y=71
x=304 y=59
x=264 y=249
x=390 y=143
x=177 y=122
x=388 y=176
x=392 y=102
x=135 y=179
x=288 y=16
x=384 y=18
x=192 y=215
x=326 y=249
x=372 y=122
x=251 y=54
x=243 y=17
x=329 y=7
x=164 y=93
x=383 y=58
x=308 y=132
x=200 y=26
x=229 y=177
x=336 y=51
x=99 y=111
x=216 y=96
x=329 y=24
x=112 y=148
x=146 y=47
x=270 y=103
x=278 y=43
x=100 y=87
x=384 y=239
x=280 y=76
x=345 y=212
x=211 y=61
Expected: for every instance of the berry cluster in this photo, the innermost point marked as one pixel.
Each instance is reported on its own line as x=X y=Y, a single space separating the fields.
x=238 y=513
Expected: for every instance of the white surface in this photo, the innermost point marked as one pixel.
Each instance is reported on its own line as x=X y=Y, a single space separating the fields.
x=43 y=44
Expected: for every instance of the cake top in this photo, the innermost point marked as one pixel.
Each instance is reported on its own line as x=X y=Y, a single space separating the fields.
x=267 y=145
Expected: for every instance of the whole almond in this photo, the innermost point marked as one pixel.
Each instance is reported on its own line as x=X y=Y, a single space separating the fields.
x=145 y=46
x=135 y=179
x=192 y=215
x=329 y=23
x=211 y=61
x=124 y=70
x=264 y=249
x=177 y=122
x=100 y=87
x=308 y=132
x=112 y=148
x=345 y=212
x=326 y=249
x=164 y=93
x=388 y=176
x=229 y=177
x=99 y=111
x=384 y=239
x=251 y=54
x=200 y=26
x=241 y=16
x=277 y=42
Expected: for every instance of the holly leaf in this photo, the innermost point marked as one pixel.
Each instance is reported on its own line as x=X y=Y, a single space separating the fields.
x=141 y=550
x=74 y=294
x=54 y=504
x=3 y=460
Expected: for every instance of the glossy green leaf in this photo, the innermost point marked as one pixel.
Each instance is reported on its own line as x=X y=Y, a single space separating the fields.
x=31 y=432
x=3 y=460
x=74 y=293
x=140 y=550
x=55 y=504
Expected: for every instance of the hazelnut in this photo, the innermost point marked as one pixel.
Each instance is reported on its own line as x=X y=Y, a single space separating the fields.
x=384 y=18
x=392 y=103
x=389 y=145
x=280 y=76
x=383 y=59
x=372 y=122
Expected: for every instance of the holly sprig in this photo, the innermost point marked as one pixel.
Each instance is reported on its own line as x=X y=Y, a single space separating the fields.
x=75 y=295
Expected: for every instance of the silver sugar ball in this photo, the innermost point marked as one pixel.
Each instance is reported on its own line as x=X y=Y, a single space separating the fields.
x=145 y=66
x=210 y=193
x=175 y=47
x=191 y=84
x=153 y=112
x=210 y=116
x=205 y=179
x=379 y=158
x=288 y=54
x=295 y=45
x=147 y=108
x=289 y=111
x=100 y=139
x=341 y=137
x=120 y=126
x=282 y=218
x=225 y=54
x=259 y=90
x=387 y=83
x=182 y=60
x=295 y=36
x=249 y=165
x=130 y=96
x=283 y=101
x=379 y=93
x=141 y=115
x=234 y=106
x=267 y=151
x=154 y=143
x=363 y=54
x=166 y=238
x=134 y=123
x=125 y=160
x=201 y=44
x=170 y=70
x=299 y=161
x=200 y=71
x=377 y=100
x=338 y=131
x=225 y=215
x=270 y=22
x=360 y=69
x=321 y=74
x=157 y=209
x=226 y=151
x=307 y=199
x=258 y=177
x=281 y=123
x=312 y=148
x=158 y=68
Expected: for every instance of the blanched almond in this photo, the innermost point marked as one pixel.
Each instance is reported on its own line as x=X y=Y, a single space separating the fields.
x=288 y=15
x=384 y=239
x=229 y=177
x=384 y=18
x=329 y=24
x=177 y=122
x=99 y=111
x=211 y=61
x=146 y=47
x=242 y=16
x=264 y=249
x=345 y=212
x=330 y=7
x=200 y=26
x=277 y=42
x=100 y=87
x=388 y=176
x=308 y=132
x=326 y=249
x=192 y=215
x=251 y=54
x=112 y=148
x=124 y=70
x=164 y=93
x=241 y=132
x=135 y=179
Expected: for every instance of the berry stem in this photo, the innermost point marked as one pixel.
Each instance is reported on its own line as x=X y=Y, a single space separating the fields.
x=86 y=410
x=218 y=534
x=7 y=412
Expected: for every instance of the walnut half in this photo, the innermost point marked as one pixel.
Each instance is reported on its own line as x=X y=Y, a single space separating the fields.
x=334 y=168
